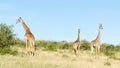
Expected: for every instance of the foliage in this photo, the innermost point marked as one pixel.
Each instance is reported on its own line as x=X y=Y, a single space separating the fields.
x=85 y=45
x=6 y=39
x=19 y=42
x=7 y=50
x=103 y=47
x=6 y=36
x=65 y=45
x=108 y=50
x=117 y=48
x=51 y=46
x=41 y=44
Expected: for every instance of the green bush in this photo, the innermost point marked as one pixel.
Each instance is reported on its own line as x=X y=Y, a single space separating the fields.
x=103 y=47
x=108 y=50
x=117 y=48
x=6 y=39
x=85 y=45
x=51 y=46
x=19 y=42
x=7 y=50
x=41 y=44
x=66 y=45
x=6 y=36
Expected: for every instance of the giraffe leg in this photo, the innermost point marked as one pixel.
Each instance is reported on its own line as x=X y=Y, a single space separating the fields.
x=33 y=43
x=32 y=48
x=98 y=52
x=98 y=49
x=75 y=51
x=78 y=47
x=92 y=49
x=27 y=46
x=26 y=41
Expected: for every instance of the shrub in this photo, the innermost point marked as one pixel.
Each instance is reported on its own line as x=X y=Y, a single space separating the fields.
x=108 y=50
x=41 y=44
x=66 y=45
x=6 y=39
x=7 y=50
x=19 y=42
x=6 y=36
x=51 y=46
x=85 y=45
x=103 y=47
x=117 y=48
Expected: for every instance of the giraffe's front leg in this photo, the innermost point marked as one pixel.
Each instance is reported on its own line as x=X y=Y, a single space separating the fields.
x=26 y=42
x=98 y=49
x=78 y=49
x=92 y=49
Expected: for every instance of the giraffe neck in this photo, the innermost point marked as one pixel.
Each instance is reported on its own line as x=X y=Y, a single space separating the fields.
x=26 y=28
x=78 y=37
x=98 y=36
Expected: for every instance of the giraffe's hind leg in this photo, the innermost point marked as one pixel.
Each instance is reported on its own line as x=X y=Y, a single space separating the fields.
x=78 y=47
x=33 y=50
x=75 y=51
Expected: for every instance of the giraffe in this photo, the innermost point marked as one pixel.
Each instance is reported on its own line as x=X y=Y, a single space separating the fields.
x=29 y=37
x=95 y=44
x=76 y=44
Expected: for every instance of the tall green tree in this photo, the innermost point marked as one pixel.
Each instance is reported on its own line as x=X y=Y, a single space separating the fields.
x=6 y=35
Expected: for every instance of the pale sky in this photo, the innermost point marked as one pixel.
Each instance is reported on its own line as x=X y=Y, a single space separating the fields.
x=59 y=20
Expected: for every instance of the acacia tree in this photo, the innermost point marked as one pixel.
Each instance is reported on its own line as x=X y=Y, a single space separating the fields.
x=6 y=35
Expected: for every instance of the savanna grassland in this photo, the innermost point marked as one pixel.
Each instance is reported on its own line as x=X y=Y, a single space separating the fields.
x=56 y=59
x=52 y=54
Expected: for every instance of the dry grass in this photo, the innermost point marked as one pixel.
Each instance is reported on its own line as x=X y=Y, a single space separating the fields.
x=59 y=59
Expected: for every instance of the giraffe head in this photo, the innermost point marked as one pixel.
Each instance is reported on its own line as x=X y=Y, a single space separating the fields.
x=19 y=20
x=100 y=26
